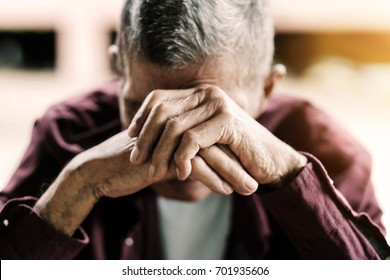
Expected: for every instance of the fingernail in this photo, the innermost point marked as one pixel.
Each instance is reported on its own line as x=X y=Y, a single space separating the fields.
x=131 y=131
x=151 y=171
x=178 y=173
x=134 y=157
x=227 y=188
x=251 y=184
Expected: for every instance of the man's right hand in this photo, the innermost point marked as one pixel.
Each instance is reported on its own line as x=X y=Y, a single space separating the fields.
x=103 y=170
x=107 y=169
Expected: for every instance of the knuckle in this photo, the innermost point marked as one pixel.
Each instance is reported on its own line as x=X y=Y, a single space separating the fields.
x=195 y=161
x=181 y=158
x=173 y=124
x=218 y=98
x=141 y=146
x=136 y=120
x=226 y=115
x=231 y=167
x=144 y=145
x=190 y=137
x=215 y=92
x=155 y=95
x=161 y=108
x=178 y=158
x=161 y=171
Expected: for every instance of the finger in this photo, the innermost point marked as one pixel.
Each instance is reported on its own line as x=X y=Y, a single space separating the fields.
x=228 y=167
x=154 y=98
x=170 y=174
x=171 y=135
x=215 y=130
x=203 y=173
x=155 y=124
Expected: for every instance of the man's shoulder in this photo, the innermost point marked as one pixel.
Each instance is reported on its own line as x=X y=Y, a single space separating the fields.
x=287 y=115
x=280 y=107
x=94 y=100
x=306 y=127
x=83 y=120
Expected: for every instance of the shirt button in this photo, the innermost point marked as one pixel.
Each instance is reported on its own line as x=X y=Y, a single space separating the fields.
x=5 y=222
x=129 y=241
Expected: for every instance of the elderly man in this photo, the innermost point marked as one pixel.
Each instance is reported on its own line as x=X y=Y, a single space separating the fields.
x=208 y=165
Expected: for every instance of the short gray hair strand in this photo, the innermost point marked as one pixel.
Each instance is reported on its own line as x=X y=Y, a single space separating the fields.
x=179 y=33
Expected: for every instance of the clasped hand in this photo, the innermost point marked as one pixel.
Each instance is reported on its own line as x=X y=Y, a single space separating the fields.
x=205 y=135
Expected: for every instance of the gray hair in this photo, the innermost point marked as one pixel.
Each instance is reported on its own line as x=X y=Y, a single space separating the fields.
x=178 y=33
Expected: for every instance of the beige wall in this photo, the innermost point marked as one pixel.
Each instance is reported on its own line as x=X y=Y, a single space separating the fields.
x=319 y=15
x=82 y=29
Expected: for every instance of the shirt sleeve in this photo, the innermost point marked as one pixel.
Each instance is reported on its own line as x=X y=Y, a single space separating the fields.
x=319 y=221
x=25 y=235
x=64 y=130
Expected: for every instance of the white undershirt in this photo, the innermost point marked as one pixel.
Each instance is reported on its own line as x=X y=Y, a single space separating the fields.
x=194 y=230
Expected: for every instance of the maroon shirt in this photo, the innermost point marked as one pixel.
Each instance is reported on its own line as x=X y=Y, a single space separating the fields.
x=307 y=218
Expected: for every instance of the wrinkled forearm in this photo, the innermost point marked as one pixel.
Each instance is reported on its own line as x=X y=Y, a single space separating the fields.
x=68 y=200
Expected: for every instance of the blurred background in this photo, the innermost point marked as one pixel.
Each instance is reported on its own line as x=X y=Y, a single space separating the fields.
x=337 y=53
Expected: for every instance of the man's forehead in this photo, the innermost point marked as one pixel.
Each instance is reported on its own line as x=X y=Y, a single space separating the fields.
x=147 y=76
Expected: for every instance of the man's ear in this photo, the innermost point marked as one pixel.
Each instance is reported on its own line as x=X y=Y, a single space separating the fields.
x=278 y=72
x=113 y=52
